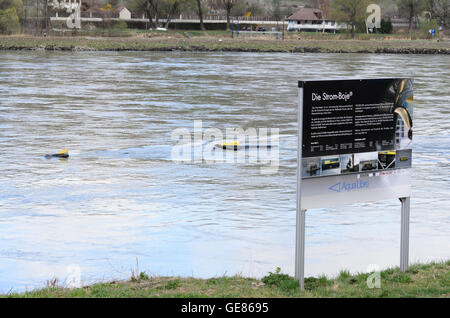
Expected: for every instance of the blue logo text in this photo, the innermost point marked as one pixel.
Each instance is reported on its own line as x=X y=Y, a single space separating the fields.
x=342 y=186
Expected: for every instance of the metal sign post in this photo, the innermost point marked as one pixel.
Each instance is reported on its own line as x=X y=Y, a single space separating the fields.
x=300 y=239
x=300 y=249
x=404 y=234
x=301 y=214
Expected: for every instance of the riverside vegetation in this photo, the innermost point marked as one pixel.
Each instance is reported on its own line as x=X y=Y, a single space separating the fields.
x=421 y=280
x=222 y=41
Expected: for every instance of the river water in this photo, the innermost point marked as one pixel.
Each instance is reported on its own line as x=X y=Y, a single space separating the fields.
x=120 y=198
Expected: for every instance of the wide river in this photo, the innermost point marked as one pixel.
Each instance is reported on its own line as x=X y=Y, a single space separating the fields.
x=120 y=199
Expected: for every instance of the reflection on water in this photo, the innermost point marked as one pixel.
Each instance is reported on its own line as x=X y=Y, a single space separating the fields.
x=119 y=197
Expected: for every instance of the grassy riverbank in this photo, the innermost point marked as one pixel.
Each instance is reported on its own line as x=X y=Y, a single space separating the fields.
x=185 y=41
x=429 y=280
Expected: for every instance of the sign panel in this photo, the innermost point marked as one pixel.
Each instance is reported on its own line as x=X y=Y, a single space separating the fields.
x=347 y=189
x=356 y=140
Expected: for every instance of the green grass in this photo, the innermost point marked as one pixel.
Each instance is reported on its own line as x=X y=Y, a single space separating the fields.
x=421 y=280
x=192 y=41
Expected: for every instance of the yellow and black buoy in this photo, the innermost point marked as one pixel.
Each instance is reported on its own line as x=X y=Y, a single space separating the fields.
x=64 y=153
x=235 y=145
x=232 y=145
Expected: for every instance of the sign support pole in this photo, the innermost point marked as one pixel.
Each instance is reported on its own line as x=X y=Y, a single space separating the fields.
x=404 y=234
x=300 y=217
x=300 y=249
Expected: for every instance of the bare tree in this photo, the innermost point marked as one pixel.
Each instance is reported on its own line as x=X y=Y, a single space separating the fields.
x=154 y=10
x=324 y=6
x=228 y=5
x=200 y=14
x=350 y=11
x=276 y=9
x=149 y=8
x=106 y=12
x=411 y=9
x=171 y=7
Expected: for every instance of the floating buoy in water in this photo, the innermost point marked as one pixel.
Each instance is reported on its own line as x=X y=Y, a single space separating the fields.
x=234 y=145
x=64 y=153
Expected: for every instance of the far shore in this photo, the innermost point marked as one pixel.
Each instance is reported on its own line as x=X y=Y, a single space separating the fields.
x=219 y=43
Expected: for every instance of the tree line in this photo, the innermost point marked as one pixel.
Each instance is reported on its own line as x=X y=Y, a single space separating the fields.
x=157 y=10
x=353 y=12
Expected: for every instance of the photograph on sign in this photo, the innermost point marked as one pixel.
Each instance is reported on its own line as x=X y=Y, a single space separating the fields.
x=359 y=128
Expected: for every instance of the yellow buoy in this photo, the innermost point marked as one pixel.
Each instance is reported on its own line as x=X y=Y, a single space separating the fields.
x=230 y=143
x=64 y=153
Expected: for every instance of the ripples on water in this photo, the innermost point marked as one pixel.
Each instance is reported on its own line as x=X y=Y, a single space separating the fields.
x=119 y=197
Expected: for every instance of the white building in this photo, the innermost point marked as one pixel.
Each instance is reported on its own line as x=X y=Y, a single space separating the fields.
x=310 y=19
x=124 y=13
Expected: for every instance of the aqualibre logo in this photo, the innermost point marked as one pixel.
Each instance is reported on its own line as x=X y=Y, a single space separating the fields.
x=343 y=186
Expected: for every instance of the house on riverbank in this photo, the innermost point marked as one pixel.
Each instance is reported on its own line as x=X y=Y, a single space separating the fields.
x=123 y=12
x=310 y=19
